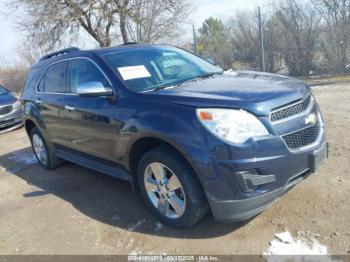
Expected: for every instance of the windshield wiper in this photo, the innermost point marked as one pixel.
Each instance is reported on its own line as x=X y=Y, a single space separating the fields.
x=208 y=75
x=203 y=76
x=159 y=88
x=165 y=86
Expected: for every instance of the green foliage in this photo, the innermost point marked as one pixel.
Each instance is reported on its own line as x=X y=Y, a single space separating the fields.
x=215 y=42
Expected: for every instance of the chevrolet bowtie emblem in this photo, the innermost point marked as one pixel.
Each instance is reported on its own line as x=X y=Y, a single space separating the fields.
x=311 y=119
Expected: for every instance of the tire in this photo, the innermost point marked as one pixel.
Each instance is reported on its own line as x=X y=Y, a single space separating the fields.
x=50 y=161
x=179 y=208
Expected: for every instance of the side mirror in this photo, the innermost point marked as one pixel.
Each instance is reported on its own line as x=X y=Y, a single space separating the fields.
x=94 y=89
x=210 y=60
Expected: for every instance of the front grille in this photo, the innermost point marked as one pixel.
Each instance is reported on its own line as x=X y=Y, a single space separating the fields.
x=291 y=110
x=5 y=110
x=303 y=137
x=7 y=121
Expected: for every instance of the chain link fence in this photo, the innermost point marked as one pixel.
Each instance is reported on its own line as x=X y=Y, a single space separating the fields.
x=313 y=50
x=302 y=39
x=300 y=44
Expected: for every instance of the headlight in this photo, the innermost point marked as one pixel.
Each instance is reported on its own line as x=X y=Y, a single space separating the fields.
x=17 y=104
x=235 y=126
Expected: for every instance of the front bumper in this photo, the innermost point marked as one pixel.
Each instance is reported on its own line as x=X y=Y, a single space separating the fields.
x=240 y=210
x=235 y=204
x=12 y=120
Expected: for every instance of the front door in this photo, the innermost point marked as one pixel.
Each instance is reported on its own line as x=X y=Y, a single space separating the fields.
x=93 y=128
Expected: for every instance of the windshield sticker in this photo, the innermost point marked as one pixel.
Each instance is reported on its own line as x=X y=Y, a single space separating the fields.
x=133 y=72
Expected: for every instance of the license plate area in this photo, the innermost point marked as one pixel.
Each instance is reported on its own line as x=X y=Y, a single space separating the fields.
x=317 y=157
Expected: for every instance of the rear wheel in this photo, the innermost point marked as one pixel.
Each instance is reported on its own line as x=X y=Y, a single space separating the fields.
x=171 y=189
x=43 y=153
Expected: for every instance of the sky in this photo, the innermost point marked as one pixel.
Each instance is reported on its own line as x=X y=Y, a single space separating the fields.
x=10 y=38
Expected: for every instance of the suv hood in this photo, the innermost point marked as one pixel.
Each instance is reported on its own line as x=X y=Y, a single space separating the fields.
x=252 y=91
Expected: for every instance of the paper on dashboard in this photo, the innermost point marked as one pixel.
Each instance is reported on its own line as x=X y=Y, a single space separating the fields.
x=133 y=72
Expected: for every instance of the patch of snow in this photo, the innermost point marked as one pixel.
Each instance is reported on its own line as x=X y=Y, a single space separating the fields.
x=24 y=158
x=286 y=245
x=136 y=225
x=230 y=72
x=285 y=237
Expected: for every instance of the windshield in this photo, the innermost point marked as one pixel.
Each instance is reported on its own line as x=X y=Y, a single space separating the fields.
x=154 y=68
x=2 y=90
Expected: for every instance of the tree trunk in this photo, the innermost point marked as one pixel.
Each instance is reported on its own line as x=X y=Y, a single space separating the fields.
x=122 y=24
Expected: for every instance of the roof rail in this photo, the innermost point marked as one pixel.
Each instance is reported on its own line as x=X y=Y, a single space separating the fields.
x=60 y=52
x=129 y=43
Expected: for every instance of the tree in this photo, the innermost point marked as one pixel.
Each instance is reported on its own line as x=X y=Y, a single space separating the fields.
x=151 y=20
x=216 y=43
x=273 y=43
x=335 y=37
x=300 y=30
x=245 y=36
x=49 y=23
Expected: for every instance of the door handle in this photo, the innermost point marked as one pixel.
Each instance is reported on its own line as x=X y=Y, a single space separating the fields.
x=69 y=108
x=38 y=101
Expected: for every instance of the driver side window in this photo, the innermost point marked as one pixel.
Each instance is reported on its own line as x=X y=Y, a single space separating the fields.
x=83 y=72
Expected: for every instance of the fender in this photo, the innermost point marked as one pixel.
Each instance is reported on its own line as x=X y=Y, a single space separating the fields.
x=32 y=114
x=178 y=130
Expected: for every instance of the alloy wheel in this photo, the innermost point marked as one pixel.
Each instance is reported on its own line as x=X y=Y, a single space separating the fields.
x=39 y=149
x=164 y=190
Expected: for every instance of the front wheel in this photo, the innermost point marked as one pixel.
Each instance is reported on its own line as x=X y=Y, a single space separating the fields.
x=171 y=189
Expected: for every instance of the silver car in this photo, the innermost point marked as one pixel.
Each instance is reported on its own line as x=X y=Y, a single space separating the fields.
x=11 y=114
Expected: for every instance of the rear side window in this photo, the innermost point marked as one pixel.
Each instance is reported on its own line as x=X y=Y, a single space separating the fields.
x=83 y=72
x=55 y=78
x=32 y=78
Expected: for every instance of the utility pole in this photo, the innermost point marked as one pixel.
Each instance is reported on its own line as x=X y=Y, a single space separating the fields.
x=195 y=49
x=261 y=37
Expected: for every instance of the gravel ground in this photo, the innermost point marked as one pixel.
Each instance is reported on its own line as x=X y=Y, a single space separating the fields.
x=73 y=210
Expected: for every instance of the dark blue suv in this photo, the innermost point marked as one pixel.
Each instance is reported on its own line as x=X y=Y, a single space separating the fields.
x=189 y=136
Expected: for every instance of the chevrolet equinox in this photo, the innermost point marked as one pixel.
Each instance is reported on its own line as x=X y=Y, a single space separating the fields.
x=190 y=137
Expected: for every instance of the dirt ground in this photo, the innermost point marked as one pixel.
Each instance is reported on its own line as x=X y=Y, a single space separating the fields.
x=73 y=210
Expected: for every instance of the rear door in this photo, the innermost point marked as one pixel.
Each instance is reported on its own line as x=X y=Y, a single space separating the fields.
x=93 y=128
x=50 y=99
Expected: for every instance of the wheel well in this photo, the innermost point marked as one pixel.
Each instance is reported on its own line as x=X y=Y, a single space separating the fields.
x=29 y=126
x=144 y=145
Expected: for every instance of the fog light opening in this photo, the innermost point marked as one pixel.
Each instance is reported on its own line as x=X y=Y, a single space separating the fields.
x=250 y=180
